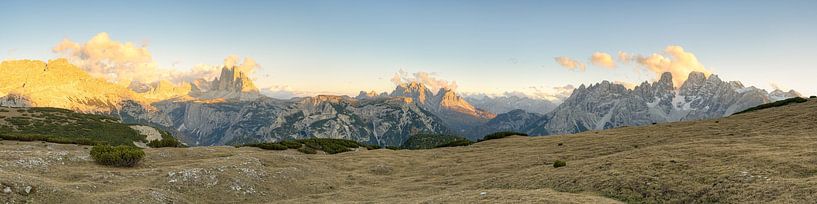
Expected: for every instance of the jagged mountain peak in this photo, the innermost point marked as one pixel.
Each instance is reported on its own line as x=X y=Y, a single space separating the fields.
x=232 y=83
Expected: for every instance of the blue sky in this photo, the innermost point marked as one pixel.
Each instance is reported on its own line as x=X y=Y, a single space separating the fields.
x=485 y=46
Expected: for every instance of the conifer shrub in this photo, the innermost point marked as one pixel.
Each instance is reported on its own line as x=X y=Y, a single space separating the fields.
x=456 y=143
x=166 y=141
x=559 y=163
x=499 y=135
x=119 y=156
x=307 y=150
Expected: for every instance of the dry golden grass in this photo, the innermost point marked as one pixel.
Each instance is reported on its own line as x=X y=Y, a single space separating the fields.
x=767 y=156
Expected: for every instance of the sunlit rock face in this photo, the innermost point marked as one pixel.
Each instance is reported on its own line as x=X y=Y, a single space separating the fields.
x=57 y=83
x=231 y=84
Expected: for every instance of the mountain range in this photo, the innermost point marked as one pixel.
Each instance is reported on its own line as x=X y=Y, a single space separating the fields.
x=230 y=110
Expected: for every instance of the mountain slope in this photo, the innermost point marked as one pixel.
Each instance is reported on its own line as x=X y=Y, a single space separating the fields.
x=766 y=156
x=65 y=126
x=59 y=84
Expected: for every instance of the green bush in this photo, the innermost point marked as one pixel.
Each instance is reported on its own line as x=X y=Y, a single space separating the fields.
x=559 y=163
x=120 y=156
x=165 y=143
x=456 y=143
x=499 y=135
x=291 y=144
x=428 y=141
x=307 y=150
x=331 y=146
x=812 y=97
x=393 y=147
x=269 y=146
x=774 y=104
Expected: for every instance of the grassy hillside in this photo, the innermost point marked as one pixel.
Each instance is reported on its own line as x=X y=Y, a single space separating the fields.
x=774 y=104
x=764 y=156
x=64 y=126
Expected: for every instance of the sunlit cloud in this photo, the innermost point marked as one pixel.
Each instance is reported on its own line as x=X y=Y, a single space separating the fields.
x=558 y=93
x=430 y=80
x=626 y=84
x=675 y=60
x=123 y=62
x=570 y=64
x=603 y=60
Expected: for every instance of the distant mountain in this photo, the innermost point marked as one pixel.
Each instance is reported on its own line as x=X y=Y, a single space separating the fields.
x=507 y=103
x=230 y=110
x=458 y=115
x=231 y=84
x=607 y=105
x=383 y=121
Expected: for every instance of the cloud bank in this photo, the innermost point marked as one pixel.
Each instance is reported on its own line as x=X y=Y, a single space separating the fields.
x=430 y=80
x=673 y=59
x=123 y=62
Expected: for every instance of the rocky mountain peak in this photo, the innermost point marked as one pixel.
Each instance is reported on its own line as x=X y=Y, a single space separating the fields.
x=778 y=94
x=415 y=90
x=665 y=83
x=694 y=82
x=231 y=84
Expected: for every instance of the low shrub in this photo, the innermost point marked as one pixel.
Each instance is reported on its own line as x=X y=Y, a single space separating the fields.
x=269 y=146
x=371 y=147
x=499 y=135
x=119 y=156
x=291 y=144
x=456 y=143
x=307 y=150
x=812 y=97
x=393 y=147
x=166 y=141
x=429 y=141
x=559 y=163
x=331 y=146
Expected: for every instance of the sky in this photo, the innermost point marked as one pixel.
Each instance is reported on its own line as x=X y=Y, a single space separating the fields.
x=343 y=47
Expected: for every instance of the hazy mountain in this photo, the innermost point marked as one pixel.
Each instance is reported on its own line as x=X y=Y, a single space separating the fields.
x=506 y=103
